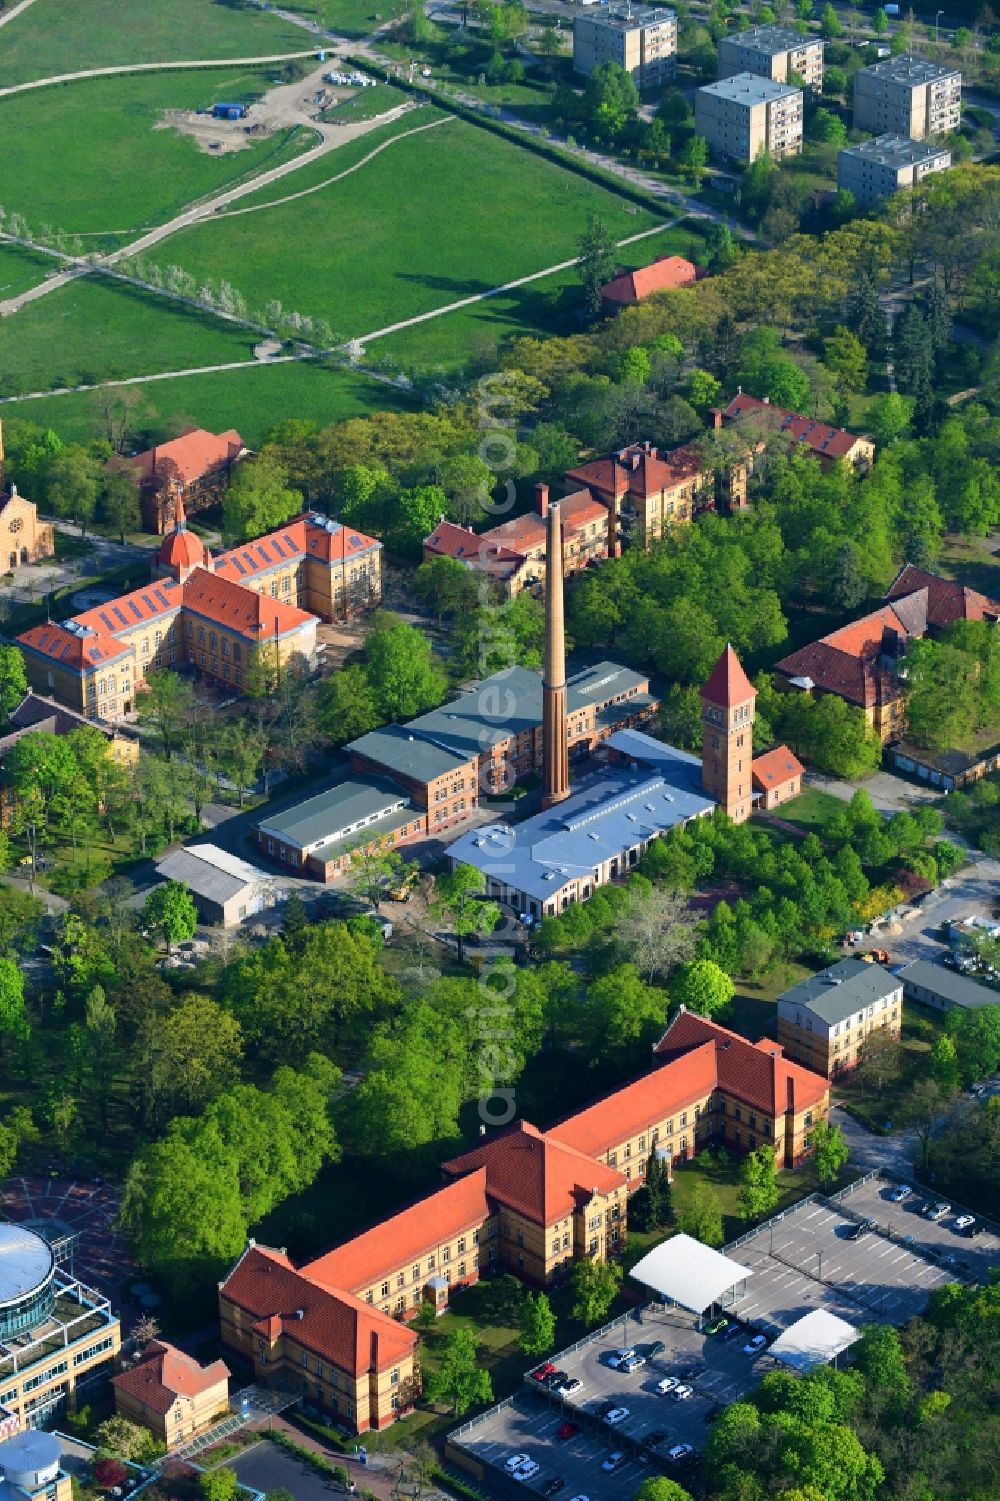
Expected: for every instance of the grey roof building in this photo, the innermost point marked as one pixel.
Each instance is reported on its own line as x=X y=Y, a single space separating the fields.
x=824 y=1020
x=742 y=116
x=417 y=757
x=907 y=96
x=840 y=991
x=773 y=52
x=874 y=170
x=935 y=985
x=323 y=825
x=225 y=888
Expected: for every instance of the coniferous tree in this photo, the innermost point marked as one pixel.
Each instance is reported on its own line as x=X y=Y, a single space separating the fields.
x=866 y=317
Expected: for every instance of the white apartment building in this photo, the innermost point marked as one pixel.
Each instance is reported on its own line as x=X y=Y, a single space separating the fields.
x=641 y=39
x=744 y=116
x=874 y=170
x=907 y=96
x=773 y=52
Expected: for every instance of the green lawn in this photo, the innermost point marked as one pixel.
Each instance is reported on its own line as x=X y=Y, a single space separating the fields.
x=96 y=329
x=21 y=268
x=59 y=36
x=87 y=158
x=549 y=305
x=968 y=561
x=921 y=1028
x=251 y=400
x=350 y=17
x=437 y=217
x=753 y=1005
x=811 y=808
x=365 y=104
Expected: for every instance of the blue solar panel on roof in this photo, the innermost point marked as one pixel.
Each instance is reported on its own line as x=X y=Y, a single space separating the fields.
x=66 y=649
x=120 y=614
x=159 y=594
x=107 y=620
x=135 y=609
x=355 y=541
x=263 y=554
x=148 y=602
x=239 y=565
x=248 y=560
x=277 y=547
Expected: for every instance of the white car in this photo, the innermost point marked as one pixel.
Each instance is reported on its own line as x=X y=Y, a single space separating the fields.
x=619 y=1357
x=614 y=1461
x=567 y=1388
x=755 y=1345
x=667 y=1384
x=679 y=1451
x=616 y=1415
x=937 y=1211
x=681 y=1393
x=899 y=1193
x=634 y=1363
x=527 y=1471
x=516 y=1461
x=963 y=1221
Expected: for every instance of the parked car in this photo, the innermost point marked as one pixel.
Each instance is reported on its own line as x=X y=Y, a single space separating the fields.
x=614 y=1461
x=936 y=1211
x=618 y=1357
x=634 y=1363
x=733 y=1332
x=555 y=1485
x=682 y=1393
x=755 y=1345
x=603 y=1408
x=855 y=1232
x=717 y=1325
x=527 y=1471
x=567 y=1430
x=548 y=1369
x=667 y=1384
x=655 y=1349
x=693 y=1371
x=554 y=1380
x=656 y=1436
x=516 y=1461
x=965 y=1223
x=616 y=1415
x=679 y=1452
x=567 y=1388
x=899 y=1193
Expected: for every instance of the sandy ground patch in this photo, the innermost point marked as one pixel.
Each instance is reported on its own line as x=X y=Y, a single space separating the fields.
x=281 y=108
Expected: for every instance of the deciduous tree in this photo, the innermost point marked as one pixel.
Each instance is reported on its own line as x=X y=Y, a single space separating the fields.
x=595 y=1287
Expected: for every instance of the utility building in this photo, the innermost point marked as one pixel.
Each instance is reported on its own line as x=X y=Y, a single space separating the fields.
x=641 y=39
x=773 y=52
x=742 y=117
x=908 y=96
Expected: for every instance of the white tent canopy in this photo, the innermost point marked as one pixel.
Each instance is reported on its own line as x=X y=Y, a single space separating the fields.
x=815 y=1339
x=682 y=1270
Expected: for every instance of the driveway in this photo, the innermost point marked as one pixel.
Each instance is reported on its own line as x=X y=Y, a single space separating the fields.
x=889 y=793
x=973 y=891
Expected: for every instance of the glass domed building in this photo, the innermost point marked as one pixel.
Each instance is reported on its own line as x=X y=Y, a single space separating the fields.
x=27 y=1274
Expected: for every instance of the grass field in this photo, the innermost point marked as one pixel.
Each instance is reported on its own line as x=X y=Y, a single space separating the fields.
x=437 y=217
x=86 y=157
x=93 y=330
x=58 y=36
x=365 y=105
x=811 y=809
x=350 y=17
x=549 y=305
x=21 y=269
x=250 y=400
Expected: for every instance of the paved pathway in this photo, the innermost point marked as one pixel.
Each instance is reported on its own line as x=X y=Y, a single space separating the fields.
x=15 y=10
x=201 y=62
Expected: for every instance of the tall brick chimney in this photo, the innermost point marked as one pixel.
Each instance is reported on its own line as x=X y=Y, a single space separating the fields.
x=542 y=499
x=716 y=415
x=555 y=743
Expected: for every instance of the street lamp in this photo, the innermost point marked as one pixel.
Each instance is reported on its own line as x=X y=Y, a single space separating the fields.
x=937 y=21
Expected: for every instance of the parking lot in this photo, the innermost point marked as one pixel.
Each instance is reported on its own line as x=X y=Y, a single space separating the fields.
x=799 y=1262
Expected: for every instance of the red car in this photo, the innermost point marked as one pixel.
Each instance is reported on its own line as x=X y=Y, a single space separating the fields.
x=567 y=1430
x=548 y=1369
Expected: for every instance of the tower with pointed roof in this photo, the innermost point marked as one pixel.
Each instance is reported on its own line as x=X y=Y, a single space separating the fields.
x=181 y=551
x=727 y=715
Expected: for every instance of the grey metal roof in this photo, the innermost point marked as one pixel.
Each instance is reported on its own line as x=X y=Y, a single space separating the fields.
x=909 y=69
x=836 y=993
x=629 y=18
x=396 y=747
x=681 y=768
x=612 y=813
x=749 y=88
x=948 y=983
x=329 y=812
x=896 y=151
x=201 y=878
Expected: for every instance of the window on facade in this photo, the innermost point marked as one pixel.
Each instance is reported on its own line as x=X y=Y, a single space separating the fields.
x=416 y=1272
x=400 y=1280
x=385 y=1290
x=684 y=1118
x=461 y=1244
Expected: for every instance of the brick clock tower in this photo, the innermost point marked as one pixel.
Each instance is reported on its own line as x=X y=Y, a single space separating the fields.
x=727 y=713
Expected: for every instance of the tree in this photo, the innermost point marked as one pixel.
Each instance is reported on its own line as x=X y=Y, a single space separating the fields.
x=218 y=1485
x=74 y=483
x=610 y=100
x=13 y=1013
x=829 y=24
x=537 y=1325
x=189 y=1056
x=458 y=897
x=830 y=1151
x=922 y=1109
x=258 y=499
x=944 y=1065
x=457 y=1379
x=879 y=1357
x=13 y=680
x=240 y=751
x=167 y=706
x=405 y=676
x=171 y=912
x=17 y=1127
x=880 y=22
x=758 y=1192
x=347 y=705
x=595 y=1287
x=120 y=501
x=101 y=1025
x=700 y=1215
x=703 y=390
x=879 y=1059
x=702 y=986
x=889 y=418
x=597 y=262
x=846 y=356
x=828 y=128
x=110 y=1473
x=865 y=311
x=693 y=159
x=446 y=586
x=651 y=1206
x=120 y=1438
x=661 y=1488
x=655 y=931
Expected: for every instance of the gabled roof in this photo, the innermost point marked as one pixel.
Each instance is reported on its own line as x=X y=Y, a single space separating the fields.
x=415 y=756
x=630 y=1111
x=258 y=617
x=947 y=601
x=82 y=652
x=537 y=1175
x=37 y=713
x=165 y=1373
x=775 y=767
x=846 y=661
x=639 y=469
x=406 y=1237
x=194 y=453
x=756 y=1072
x=346 y=1332
x=122 y=615
x=728 y=685
x=523 y=533
x=826 y=442
x=665 y=273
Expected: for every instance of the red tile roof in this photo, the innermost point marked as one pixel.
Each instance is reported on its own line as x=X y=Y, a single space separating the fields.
x=406 y=1237
x=348 y=1333
x=59 y=645
x=193 y=454
x=640 y=469
x=728 y=684
x=258 y=617
x=632 y=1110
x=536 y=1175
x=665 y=273
x=775 y=767
x=947 y=601
x=755 y=1072
x=826 y=442
x=181 y=548
x=846 y=661
x=165 y=1373
x=522 y=533
x=450 y=540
